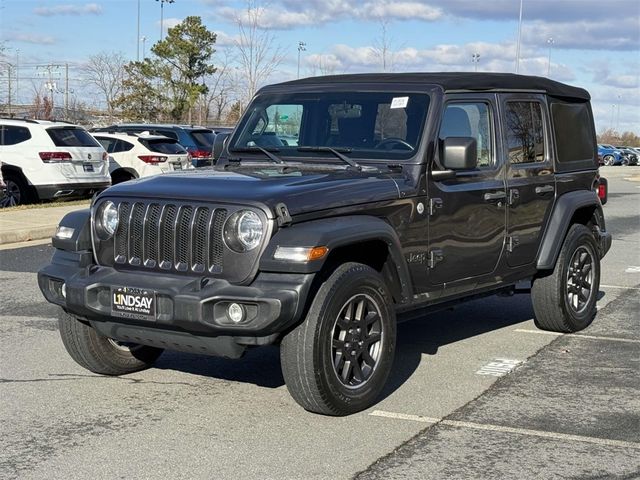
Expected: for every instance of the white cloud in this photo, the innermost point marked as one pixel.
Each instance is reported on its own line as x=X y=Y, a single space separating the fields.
x=35 y=38
x=400 y=11
x=69 y=9
x=168 y=23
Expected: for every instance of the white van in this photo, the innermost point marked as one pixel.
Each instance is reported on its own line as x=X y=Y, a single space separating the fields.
x=45 y=160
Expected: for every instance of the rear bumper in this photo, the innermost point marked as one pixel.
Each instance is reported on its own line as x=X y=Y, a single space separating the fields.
x=188 y=311
x=70 y=190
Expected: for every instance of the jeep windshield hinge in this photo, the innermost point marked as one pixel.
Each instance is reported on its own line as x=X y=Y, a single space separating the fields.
x=435 y=256
x=512 y=243
x=434 y=204
x=282 y=215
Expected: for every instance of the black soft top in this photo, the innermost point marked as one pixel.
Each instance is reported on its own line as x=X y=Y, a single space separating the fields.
x=449 y=81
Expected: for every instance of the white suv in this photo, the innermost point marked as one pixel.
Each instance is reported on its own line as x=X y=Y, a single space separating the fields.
x=140 y=155
x=45 y=160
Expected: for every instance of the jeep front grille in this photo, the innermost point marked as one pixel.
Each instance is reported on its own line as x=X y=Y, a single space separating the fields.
x=170 y=237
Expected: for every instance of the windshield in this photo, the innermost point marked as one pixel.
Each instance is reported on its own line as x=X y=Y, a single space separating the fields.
x=386 y=125
x=71 y=137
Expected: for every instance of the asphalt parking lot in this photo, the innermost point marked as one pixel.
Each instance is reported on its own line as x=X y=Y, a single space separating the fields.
x=476 y=392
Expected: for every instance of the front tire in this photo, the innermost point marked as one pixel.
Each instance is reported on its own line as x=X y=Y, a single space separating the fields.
x=608 y=160
x=337 y=361
x=100 y=354
x=565 y=299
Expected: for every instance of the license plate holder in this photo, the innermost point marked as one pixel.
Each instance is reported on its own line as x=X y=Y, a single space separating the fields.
x=88 y=167
x=134 y=303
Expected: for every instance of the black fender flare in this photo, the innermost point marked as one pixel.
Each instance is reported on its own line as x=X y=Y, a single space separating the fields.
x=335 y=233
x=563 y=210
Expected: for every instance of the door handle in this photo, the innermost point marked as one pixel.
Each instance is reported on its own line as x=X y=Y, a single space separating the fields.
x=544 y=189
x=490 y=196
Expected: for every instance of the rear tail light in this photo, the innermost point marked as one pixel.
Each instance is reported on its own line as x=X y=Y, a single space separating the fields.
x=105 y=156
x=602 y=191
x=52 y=157
x=152 y=159
x=200 y=153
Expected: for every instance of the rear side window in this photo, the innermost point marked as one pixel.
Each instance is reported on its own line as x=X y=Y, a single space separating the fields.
x=525 y=132
x=163 y=146
x=72 y=137
x=12 y=135
x=203 y=138
x=574 y=135
x=107 y=143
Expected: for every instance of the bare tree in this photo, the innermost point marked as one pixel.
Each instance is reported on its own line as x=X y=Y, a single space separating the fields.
x=221 y=89
x=105 y=71
x=382 y=49
x=322 y=65
x=258 y=55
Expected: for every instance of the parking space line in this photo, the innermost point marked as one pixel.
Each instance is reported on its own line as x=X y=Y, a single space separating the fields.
x=502 y=429
x=619 y=287
x=404 y=416
x=577 y=335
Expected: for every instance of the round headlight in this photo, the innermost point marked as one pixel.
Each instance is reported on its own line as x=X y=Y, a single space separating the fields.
x=107 y=220
x=243 y=231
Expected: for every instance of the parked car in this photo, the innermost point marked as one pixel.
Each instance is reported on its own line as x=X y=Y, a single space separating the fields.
x=631 y=156
x=609 y=155
x=406 y=193
x=197 y=140
x=133 y=155
x=45 y=160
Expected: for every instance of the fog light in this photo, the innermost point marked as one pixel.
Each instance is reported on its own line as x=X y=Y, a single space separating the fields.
x=235 y=312
x=63 y=290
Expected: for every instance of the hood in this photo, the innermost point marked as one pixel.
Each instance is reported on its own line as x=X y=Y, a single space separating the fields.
x=301 y=191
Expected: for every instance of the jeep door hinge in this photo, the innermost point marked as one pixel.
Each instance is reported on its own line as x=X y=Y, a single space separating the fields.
x=435 y=256
x=282 y=215
x=512 y=243
x=434 y=204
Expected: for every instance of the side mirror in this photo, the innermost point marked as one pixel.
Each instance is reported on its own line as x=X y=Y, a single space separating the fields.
x=460 y=153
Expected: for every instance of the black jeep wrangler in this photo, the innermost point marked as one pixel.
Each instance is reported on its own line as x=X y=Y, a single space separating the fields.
x=340 y=206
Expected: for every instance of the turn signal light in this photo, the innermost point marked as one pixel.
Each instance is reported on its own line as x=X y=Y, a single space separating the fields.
x=300 y=254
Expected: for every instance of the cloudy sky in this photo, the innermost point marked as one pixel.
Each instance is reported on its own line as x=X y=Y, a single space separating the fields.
x=596 y=43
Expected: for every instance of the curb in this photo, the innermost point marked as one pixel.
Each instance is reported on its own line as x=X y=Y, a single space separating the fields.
x=38 y=233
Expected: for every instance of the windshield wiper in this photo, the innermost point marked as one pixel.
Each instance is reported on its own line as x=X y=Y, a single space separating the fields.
x=255 y=148
x=337 y=153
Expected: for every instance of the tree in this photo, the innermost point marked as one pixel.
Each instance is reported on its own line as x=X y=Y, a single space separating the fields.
x=382 y=50
x=183 y=59
x=106 y=72
x=258 y=55
x=140 y=99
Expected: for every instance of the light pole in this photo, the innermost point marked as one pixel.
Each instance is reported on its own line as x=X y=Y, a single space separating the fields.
x=475 y=58
x=618 y=116
x=143 y=39
x=550 y=43
x=138 y=35
x=162 y=2
x=519 y=37
x=9 y=86
x=301 y=48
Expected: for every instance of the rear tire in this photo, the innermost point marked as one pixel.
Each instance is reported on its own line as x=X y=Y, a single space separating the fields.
x=608 y=160
x=337 y=361
x=565 y=299
x=120 y=177
x=18 y=190
x=100 y=354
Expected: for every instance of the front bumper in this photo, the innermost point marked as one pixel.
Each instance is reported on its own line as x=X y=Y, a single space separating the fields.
x=188 y=311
